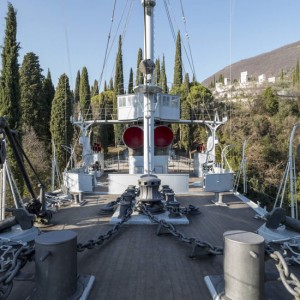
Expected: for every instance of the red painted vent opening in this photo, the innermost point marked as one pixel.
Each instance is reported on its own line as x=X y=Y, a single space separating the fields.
x=163 y=136
x=133 y=137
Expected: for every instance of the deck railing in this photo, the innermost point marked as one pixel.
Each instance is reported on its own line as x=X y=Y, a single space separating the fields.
x=115 y=163
x=180 y=164
x=176 y=164
x=107 y=113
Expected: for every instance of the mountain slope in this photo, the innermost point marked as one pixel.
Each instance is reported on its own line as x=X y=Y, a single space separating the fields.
x=269 y=63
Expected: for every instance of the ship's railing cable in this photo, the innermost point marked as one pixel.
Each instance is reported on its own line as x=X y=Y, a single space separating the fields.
x=207 y=247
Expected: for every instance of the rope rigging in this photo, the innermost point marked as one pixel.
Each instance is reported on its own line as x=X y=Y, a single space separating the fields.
x=117 y=30
x=107 y=43
x=188 y=56
x=188 y=39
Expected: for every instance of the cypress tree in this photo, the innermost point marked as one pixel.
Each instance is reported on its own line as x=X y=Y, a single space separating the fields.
x=139 y=75
x=10 y=89
x=105 y=86
x=31 y=94
x=221 y=78
x=111 y=85
x=296 y=74
x=177 y=81
x=60 y=125
x=194 y=80
x=270 y=101
x=185 y=86
x=282 y=75
x=130 y=84
x=119 y=77
x=185 y=130
x=118 y=89
x=84 y=93
x=181 y=131
x=77 y=86
x=48 y=95
x=163 y=77
x=95 y=89
x=104 y=132
x=157 y=72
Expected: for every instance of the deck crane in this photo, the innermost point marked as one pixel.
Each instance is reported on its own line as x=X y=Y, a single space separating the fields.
x=35 y=209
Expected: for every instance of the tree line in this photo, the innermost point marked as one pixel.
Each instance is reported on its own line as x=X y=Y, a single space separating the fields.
x=40 y=113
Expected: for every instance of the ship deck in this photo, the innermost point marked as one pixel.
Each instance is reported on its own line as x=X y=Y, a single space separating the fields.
x=138 y=264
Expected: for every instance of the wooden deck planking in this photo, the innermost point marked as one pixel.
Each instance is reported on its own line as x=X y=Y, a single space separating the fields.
x=138 y=264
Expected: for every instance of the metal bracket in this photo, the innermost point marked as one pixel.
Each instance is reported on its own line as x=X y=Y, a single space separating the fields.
x=198 y=251
x=162 y=230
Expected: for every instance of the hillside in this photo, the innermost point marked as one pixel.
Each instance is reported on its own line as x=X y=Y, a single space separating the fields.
x=269 y=63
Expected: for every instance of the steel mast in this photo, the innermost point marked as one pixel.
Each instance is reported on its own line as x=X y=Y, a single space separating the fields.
x=148 y=89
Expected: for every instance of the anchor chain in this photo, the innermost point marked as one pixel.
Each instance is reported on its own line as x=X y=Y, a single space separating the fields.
x=190 y=210
x=91 y=244
x=289 y=280
x=110 y=207
x=206 y=246
x=14 y=256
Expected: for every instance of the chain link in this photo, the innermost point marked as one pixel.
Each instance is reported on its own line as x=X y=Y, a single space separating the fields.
x=289 y=280
x=171 y=228
x=190 y=210
x=14 y=256
x=110 y=207
x=91 y=244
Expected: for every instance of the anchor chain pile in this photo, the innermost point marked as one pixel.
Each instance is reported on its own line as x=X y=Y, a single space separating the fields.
x=14 y=256
x=288 y=279
x=190 y=210
x=288 y=255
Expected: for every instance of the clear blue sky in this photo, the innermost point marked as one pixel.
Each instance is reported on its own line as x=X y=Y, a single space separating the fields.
x=69 y=34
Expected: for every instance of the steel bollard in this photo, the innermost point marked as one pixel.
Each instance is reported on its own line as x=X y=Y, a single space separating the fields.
x=80 y=197
x=174 y=209
x=170 y=197
x=243 y=265
x=76 y=198
x=124 y=206
x=56 y=265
